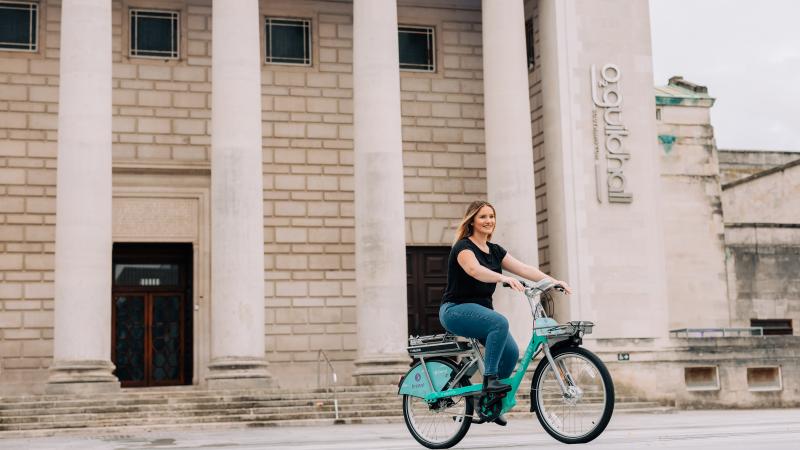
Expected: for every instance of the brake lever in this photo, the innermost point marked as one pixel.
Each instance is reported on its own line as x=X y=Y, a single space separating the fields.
x=523 y=283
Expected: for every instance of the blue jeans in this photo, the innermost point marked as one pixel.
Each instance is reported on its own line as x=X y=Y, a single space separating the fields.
x=490 y=328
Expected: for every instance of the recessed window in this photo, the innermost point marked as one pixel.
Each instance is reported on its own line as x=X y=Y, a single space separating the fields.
x=155 y=34
x=701 y=378
x=417 y=48
x=529 y=42
x=764 y=378
x=18 y=24
x=773 y=327
x=288 y=41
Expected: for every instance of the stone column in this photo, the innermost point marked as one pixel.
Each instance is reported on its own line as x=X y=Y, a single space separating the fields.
x=82 y=335
x=379 y=205
x=509 y=147
x=604 y=220
x=237 y=218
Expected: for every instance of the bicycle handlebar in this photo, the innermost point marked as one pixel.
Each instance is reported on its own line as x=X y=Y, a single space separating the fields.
x=542 y=286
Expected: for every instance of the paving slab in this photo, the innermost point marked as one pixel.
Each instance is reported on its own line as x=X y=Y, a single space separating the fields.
x=710 y=430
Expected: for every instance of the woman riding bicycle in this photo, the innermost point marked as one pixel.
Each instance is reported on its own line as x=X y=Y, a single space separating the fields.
x=474 y=268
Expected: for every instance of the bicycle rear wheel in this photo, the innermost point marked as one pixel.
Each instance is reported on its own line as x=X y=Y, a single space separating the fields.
x=584 y=414
x=443 y=424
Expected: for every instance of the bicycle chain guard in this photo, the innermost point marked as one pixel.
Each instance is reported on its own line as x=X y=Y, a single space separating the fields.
x=490 y=406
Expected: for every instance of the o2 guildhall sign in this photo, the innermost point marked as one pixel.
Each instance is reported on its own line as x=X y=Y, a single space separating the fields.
x=611 y=131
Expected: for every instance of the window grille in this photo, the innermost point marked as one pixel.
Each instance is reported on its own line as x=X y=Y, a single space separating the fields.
x=417 y=47
x=155 y=34
x=287 y=41
x=529 y=43
x=18 y=26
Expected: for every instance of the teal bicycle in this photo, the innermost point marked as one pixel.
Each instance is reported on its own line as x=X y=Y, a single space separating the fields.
x=571 y=390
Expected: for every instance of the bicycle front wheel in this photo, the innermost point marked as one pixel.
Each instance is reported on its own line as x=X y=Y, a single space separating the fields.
x=583 y=413
x=443 y=424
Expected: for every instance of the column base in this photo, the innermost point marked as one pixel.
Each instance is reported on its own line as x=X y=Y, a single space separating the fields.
x=81 y=377
x=239 y=373
x=380 y=369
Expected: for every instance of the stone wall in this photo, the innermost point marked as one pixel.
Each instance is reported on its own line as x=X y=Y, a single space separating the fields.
x=765 y=283
x=762 y=231
x=28 y=114
x=737 y=164
x=693 y=228
x=731 y=371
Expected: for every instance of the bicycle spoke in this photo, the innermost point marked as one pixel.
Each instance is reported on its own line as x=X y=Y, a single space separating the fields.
x=436 y=425
x=576 y=414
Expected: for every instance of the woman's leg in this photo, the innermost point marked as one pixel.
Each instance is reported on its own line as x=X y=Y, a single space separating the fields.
x=509 y=358
x=476 y=321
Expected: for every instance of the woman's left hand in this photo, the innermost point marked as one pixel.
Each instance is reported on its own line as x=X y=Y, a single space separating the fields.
x=567 y=289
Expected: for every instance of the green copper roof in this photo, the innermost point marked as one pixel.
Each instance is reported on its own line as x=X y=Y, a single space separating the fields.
x=682 y=92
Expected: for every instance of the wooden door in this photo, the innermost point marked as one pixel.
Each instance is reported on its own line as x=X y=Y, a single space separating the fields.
x=147 y=343
x=426 y=280
x=151 y=341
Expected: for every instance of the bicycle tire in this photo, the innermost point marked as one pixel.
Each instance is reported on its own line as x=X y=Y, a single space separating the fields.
x=465 y=417
x=543 y=391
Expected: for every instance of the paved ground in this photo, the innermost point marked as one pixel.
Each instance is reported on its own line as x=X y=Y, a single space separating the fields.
x=709 y=430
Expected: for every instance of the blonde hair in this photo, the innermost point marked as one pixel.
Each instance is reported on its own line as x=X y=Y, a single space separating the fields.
x=465 y=227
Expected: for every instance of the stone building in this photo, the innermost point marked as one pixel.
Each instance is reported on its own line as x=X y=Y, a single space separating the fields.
x=243 y=184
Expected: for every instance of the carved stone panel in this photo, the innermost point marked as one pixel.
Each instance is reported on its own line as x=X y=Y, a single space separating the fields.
x=155 y=218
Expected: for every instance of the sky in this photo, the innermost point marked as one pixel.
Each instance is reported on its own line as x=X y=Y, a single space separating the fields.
x=748 y=55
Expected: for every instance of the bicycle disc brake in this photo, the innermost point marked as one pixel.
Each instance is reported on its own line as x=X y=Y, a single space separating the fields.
x=490 y=406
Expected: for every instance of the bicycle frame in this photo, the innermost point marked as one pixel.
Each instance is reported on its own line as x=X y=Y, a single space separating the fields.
x=539 y=341
x=514 y=380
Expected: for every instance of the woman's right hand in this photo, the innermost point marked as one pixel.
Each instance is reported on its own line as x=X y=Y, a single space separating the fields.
x=513 y=283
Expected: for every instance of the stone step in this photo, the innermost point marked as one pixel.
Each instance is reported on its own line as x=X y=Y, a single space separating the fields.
x=189 y=391
x=124 y=401
x=254 y=420
x=89 y=429
x=180 y=420
x=182 y=408
x=47 y=407
x=380 y=408
x=182 y=405
x=186 y=407
x=208 y=422
x=213 y=402
x=166 y=413
x=99 y=431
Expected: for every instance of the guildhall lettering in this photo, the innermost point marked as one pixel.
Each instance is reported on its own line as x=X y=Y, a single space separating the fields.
x=607 y=100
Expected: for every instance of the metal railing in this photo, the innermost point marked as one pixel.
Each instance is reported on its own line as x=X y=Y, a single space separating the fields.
x=716 y=332
x=330 y=373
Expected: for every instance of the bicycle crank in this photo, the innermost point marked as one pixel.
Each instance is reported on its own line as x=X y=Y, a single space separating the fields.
x=489 y=406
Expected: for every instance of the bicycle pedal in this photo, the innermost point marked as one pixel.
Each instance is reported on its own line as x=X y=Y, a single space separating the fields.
x=477 y=421
x=489 y=407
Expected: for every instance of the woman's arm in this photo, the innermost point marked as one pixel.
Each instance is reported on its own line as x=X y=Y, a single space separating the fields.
x=517 y=267
x=468 y=262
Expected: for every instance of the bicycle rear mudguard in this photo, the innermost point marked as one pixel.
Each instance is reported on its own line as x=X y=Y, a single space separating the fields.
x=415 y=382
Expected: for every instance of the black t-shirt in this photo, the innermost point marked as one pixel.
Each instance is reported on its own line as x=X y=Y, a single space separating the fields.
x=461 y=287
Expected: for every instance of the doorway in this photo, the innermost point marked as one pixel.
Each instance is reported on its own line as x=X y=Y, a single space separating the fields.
x=151 y=338
x=426 y=280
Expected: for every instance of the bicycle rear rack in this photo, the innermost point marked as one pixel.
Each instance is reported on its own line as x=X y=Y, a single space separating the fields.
x=437 y=345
